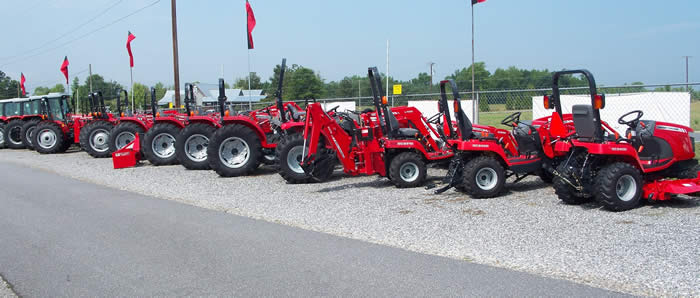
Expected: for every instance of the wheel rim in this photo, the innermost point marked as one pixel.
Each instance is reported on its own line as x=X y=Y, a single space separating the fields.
x=98 y=140
x=163 y=145
x=294 y=159
x=29 y=133
x=409 y=172
x=47 y=138
x=626 y=188
x=196 y=147
x=123 y=139
x=234 y=152
x=486 y=178
x=15 y=135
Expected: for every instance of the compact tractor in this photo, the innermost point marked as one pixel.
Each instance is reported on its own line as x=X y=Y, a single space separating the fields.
x=130 y=124
x=56 y=132
x=158 y=144
x=486 y=156
x=20 y=116
x=247 y=139
x=397 y=143
x=653 y=160
x=94 y=133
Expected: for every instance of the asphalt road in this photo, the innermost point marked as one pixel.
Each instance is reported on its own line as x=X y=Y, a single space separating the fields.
x=64 y=237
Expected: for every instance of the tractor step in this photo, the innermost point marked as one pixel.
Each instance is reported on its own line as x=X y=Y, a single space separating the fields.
x=662 y=190
x=128 y=156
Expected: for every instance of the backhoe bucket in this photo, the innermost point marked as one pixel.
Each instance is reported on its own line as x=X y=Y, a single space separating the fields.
x=128 y=156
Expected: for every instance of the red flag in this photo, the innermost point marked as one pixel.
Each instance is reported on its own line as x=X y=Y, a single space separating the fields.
x=129 y=38
x=251 y=24
x=64 y=68
x=477 y=1
x=21 y=84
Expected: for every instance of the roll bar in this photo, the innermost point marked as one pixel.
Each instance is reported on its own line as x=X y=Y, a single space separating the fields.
x=222 y=98
x=278 y=93
x=597 y=101
x=376 y=83
x=443 y=106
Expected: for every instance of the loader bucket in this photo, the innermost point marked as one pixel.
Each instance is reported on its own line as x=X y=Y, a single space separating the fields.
x=128 y=156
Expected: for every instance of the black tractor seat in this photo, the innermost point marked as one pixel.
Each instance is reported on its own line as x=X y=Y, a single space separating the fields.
x=296 y=115
x=407 y=132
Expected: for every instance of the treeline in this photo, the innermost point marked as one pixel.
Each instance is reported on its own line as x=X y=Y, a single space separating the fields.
x=302 y=83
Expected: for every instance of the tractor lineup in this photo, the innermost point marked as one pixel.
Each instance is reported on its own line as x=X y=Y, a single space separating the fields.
x=581 y=156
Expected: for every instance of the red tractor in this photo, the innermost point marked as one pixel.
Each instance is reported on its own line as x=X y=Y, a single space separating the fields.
x=130 y=123
x=56 y=132
x=397 y=143
x=486 y=156
x=158 y=145
x=94 y=134
x=245 y=140
x=653 y=160
x=20 y=116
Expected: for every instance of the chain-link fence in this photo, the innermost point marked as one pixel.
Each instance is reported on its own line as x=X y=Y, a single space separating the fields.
x=667 y=102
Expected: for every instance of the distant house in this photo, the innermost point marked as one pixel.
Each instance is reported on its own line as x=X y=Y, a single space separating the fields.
x=208 y=94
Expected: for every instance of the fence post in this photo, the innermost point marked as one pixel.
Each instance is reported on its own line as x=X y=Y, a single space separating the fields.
x=478 y=108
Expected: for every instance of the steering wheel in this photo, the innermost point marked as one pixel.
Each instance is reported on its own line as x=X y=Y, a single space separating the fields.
x=334 y=109
x=435 y=119
x=512 y=120
x=631 y=123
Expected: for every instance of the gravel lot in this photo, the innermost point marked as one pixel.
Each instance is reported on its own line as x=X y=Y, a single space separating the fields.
x=652 y=250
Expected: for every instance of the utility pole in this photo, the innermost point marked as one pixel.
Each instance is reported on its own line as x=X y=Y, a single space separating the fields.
x=176 y=66
x=90 y=77
x=687 y=87
x=431 y=72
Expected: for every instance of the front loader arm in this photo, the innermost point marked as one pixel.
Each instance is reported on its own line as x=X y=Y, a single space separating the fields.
x=318 y=124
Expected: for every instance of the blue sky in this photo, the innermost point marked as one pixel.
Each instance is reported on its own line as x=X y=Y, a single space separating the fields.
x=618 y=40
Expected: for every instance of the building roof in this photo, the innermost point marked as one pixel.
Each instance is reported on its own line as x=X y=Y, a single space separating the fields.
x=209 y=93
x=169 y=97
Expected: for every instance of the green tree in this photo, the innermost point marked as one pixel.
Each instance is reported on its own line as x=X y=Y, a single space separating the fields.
x=8 y=86
x=255 y=82
x=303 y=84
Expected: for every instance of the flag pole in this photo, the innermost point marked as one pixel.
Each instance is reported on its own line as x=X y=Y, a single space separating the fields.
x=20 y=78
x=131 y=72
x=475 y=104
x=250 y=101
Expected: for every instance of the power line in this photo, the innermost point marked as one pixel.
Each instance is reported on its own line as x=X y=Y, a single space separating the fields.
x=84 y=35
x=67 y=32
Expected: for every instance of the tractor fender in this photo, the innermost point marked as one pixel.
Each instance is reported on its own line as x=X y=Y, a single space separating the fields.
x=293 y=126
x=252 y=125
x=205 y=120
x=138 y=122
x=174 y=121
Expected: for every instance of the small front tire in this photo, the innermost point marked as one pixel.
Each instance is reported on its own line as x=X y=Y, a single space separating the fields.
x=619 y=186
x=407 y=169
x=483 y=177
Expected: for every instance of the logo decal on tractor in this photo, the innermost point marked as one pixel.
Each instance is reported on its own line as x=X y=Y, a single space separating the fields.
x=671 y=128
x=618 y=149
x=480 y=146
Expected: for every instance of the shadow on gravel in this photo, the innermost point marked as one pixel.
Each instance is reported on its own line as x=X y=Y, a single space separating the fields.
x=379 y=183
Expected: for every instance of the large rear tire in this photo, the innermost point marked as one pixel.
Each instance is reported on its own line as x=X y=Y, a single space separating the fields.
x=483 y=177
x=159 y=144
x=191 y=146
x=123 y=134
x=49 y=138
x=234 y=150
x=407 y=169
x=2 y=135
x=619 y=186
x=27 y=132
x=94 y=138
x=13 y=134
